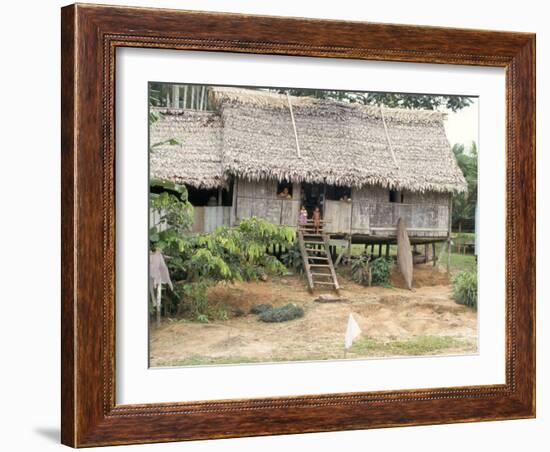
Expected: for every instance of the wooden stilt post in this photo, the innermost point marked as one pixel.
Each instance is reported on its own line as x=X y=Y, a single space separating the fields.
x=387 y=250
x=425 y=253
x=380 y=250
x=434 y=258
x=449 y=234
x=159 y=296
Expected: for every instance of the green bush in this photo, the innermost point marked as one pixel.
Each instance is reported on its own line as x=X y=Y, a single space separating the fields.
x=282 y=314
x=195 y=303
x=465 y=288
x=199 y=261
x=380 y=270
x=360 y=271
x=371 y=273
x=292 y=258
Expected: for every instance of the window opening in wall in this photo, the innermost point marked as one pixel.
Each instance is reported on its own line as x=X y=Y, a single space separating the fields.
x=396 y=196
x=337 y=193
x=284 y=190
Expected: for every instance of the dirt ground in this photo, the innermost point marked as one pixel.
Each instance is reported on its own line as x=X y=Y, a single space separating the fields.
x=394 y=321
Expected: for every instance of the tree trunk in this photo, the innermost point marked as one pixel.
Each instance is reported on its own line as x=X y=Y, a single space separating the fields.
x=202 y=97
x=175 y=96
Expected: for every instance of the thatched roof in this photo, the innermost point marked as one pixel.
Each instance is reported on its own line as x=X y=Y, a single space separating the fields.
x=339 y=143
x=196 y=158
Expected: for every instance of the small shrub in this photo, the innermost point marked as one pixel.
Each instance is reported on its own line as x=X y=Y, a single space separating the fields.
x=195 y=303
x=218 y=312
x=360 y=271
x=465 y=288
x=195 y=299
x=259 y=308
x=292 y=258
x=203 y=318
x=371 y=273
x=380 y=270
x=282 y=314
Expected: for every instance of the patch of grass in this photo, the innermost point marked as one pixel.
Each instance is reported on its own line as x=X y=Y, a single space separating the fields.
x=419 y=345
x=198 y=360
x=362 y=348
x=463 y=262
x=459 y=262
x=460 y=238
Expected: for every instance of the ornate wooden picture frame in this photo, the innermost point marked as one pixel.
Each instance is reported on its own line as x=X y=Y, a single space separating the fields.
x=90 y=37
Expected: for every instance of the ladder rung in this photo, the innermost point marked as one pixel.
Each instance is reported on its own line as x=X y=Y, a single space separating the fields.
x=318 y=242
x=324 y=283
x=319 y=265
x=321 y=274
x=318 y=257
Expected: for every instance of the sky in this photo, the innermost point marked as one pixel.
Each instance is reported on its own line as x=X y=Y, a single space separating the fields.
x=462 y=126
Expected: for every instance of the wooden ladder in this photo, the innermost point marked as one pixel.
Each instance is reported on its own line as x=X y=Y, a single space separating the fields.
x=316 y=257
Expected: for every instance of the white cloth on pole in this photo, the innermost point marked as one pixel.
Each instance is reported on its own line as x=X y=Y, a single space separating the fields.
x=352 y=332
x=158 y=271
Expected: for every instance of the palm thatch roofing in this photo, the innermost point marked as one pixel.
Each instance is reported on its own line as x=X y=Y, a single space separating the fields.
x=186 y=147
x=253 y=135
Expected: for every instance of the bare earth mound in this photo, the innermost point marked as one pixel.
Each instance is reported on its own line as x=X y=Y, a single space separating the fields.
x=394 y=322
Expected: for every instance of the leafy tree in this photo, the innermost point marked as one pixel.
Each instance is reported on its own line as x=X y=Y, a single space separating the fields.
x=199 y=261
x=168 y=202
x=464 y=204
x=160 y=94
x=228 y=254
x=393 y=100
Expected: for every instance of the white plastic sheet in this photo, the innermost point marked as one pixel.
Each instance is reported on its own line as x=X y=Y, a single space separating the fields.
x=352 y=332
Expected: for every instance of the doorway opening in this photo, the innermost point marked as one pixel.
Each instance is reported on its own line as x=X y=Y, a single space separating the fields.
x=313 y=195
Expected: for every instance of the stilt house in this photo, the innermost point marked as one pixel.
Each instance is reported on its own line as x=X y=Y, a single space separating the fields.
x=264 y=154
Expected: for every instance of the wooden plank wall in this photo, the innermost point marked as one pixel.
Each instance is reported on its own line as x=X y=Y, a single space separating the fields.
x=425 y=214
x=259 y=199
x=215 y=216
x=198 y=219
x=370 y=210
x=208 y=218
x=338 y=216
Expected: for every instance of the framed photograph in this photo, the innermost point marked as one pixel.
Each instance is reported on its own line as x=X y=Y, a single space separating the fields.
x=280 y=225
